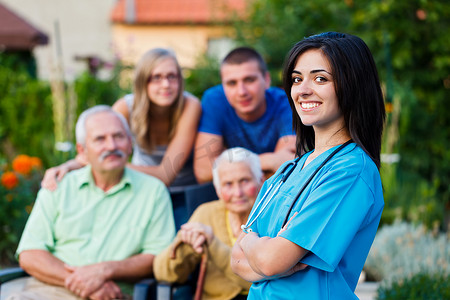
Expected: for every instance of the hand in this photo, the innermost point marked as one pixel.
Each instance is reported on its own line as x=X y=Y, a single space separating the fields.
x=85 y=280
x=196 y=234
x=282 y=155
x=109 y=290
x=298 y=267
x=53 y=175
x=271 y=161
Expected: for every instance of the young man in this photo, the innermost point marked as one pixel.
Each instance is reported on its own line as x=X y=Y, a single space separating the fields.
x=244 y=112
x=104 y=223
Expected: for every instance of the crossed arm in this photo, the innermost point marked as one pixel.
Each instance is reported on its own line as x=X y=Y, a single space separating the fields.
x=257 y=258
x=91 y=281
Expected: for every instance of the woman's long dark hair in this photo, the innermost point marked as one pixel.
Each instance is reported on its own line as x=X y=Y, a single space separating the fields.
x=357 y=88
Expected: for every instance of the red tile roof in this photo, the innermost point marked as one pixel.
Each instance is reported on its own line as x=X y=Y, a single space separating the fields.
x=175 y=11
x=18 y=34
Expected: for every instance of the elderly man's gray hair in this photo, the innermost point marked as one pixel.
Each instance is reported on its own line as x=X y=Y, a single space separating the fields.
x=235 y=155
x=80 y=128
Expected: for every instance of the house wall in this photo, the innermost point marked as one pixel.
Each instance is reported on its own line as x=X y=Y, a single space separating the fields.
x=84 y=26
x=85 y=29
x=188 y=41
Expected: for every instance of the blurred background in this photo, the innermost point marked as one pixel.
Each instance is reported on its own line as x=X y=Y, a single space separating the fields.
x=59 y=57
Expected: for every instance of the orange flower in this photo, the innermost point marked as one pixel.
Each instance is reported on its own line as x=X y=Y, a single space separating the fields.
x=28 y=209
x=389 y=107
x=22 y=164
x=36 y=162
x=9 y=180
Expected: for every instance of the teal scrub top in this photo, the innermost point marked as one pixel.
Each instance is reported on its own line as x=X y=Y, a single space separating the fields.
x=337 y=217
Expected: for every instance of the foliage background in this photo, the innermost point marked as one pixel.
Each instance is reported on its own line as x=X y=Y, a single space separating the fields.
x=22 y=99
x=410 y=44
x=27 y=103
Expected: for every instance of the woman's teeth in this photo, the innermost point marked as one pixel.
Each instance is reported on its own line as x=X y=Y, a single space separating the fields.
x=309 y=105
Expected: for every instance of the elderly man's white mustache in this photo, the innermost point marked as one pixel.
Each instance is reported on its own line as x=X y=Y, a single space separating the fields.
x=107 y=153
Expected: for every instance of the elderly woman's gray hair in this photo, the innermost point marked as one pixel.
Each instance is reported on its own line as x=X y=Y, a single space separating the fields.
x=80 y=128
x=235 y=155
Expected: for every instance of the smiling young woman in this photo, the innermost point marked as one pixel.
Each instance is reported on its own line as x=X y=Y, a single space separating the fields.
x=308 y=234
x=163 y=119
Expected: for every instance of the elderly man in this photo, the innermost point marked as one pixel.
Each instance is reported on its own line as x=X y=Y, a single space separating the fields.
x=237 y=179
x=244 y=111
x=104 y=223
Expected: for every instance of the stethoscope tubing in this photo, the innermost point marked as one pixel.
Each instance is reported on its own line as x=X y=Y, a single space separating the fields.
x=246 y=228
x=310 y=178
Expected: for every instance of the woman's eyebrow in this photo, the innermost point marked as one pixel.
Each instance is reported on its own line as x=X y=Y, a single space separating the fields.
x=319 y=70
x=312 y=71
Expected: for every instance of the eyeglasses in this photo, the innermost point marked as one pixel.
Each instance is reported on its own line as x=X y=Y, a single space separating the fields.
x=159 y=78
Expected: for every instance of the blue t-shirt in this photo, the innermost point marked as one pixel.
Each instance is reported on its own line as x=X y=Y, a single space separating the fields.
x=338 y=216
x=260 y=136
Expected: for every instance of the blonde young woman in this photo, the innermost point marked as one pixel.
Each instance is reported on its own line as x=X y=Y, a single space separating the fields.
x=163 y=119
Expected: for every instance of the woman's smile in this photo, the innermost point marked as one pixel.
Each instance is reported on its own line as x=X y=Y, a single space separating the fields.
x=310 y=105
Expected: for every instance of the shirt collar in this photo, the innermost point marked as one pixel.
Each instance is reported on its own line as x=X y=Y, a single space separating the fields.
x=86 y=178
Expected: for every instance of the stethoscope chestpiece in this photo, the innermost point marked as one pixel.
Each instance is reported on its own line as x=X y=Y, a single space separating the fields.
x=246 y=229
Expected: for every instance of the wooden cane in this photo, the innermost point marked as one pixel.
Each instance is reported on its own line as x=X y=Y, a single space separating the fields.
x=202 y=271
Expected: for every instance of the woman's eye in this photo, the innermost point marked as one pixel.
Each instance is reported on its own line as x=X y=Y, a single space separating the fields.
x=296 y=80
x=321 y=79
x=171 y=77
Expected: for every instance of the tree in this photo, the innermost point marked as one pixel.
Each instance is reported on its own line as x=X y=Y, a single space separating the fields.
x=274 y=26
x=409 y=40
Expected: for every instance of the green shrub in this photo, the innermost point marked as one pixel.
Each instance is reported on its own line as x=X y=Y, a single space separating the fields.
x=19 y=184
x=25 y=113
x=418 y=287
x=205 y=75
x=415 y=202
x=91 y=90
x=19 y=61
x=407 y=41
x=401 y=250
x=26 y=108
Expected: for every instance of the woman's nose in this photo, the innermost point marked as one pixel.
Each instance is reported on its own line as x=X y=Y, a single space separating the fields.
x=305 y=88
x=237 y=190
x=165 y=82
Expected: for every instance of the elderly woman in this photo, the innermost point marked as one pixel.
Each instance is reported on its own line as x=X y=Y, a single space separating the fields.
x=237 y=178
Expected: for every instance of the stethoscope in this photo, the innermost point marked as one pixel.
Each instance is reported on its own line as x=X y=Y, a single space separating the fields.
x=284 y=174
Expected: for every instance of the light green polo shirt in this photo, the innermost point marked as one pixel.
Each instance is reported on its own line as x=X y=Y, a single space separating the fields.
x=81 y=224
